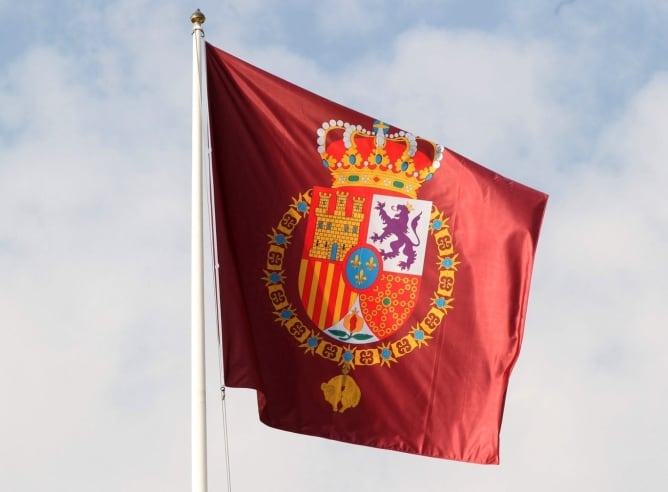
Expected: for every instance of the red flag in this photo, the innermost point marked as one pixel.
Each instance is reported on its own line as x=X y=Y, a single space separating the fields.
x=373 y=284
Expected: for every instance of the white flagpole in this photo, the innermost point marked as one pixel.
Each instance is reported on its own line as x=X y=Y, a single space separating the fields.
x=198 y=375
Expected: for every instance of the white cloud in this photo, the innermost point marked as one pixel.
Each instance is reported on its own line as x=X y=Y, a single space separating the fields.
x=93 y=253
x=341 y=18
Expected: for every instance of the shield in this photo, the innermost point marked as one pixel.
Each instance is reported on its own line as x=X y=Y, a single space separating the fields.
x=361 y=266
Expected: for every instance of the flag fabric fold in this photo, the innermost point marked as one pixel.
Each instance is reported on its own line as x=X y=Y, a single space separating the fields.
x=373 y=284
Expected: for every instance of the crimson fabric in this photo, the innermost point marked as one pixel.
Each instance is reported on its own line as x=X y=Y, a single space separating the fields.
x=444 y=399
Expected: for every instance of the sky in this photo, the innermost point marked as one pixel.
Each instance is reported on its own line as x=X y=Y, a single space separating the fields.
x=569 y=97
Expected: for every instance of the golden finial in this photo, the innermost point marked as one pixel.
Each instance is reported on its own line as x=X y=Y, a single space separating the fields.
x=197 y=17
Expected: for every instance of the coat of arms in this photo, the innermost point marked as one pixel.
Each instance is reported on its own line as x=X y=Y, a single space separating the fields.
x=364 y=253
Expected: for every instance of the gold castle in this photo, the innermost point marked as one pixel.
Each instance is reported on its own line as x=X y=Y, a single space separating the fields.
x=336 y=232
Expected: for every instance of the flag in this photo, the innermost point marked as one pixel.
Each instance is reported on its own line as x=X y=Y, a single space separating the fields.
x=373 y=284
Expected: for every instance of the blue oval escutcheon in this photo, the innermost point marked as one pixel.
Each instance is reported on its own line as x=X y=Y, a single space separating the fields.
x=363 y=265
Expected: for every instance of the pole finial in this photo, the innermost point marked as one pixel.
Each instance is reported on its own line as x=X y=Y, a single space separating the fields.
x=197 y=17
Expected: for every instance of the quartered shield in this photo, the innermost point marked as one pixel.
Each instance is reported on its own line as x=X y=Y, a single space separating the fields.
x=361 y=266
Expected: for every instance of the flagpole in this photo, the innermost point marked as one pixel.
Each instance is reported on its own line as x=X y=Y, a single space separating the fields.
x=198 y=375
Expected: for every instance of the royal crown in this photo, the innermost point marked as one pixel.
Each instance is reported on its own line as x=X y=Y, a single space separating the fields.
x=398 y=162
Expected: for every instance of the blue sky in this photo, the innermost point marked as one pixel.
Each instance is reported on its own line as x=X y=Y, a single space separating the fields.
x=568 y=97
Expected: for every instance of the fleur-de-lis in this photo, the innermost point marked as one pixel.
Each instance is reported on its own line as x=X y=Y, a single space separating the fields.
x=360 y=277
x=370 y=263
x=355 y=262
